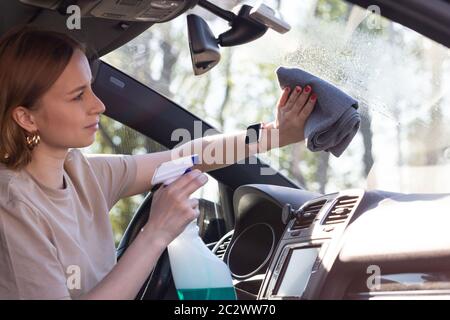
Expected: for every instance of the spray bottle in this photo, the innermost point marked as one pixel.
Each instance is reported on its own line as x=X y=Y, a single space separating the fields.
x=197 y=272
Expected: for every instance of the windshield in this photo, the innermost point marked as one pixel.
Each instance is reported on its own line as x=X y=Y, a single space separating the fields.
x=400 y=78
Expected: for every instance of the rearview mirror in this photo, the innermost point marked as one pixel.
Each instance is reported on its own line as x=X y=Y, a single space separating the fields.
x=203 y=45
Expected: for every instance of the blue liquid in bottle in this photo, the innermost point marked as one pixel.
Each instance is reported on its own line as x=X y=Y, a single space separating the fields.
x=227 y=293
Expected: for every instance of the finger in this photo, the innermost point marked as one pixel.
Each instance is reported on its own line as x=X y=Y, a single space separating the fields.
x=192 y=214
x=302 y=99
x=197 y=212
x=292 y=98
x=193 y=203
x=284 y=97
x=193 y=185
x=308 y=108
x=185 y=179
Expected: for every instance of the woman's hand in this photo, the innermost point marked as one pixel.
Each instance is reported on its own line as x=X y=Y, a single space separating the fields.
x=293 y=110
x=171 y=208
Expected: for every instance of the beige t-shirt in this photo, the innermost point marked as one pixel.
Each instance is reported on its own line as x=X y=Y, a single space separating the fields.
x=57 y=244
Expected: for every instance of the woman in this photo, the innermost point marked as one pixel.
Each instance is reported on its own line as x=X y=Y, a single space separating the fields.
x=56 y=240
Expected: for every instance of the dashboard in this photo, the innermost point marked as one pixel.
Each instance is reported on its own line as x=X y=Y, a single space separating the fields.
x=353 y=244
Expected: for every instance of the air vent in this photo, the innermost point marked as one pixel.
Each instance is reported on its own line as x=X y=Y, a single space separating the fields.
x=341 y=210
x=221 y=247
x=309 y=214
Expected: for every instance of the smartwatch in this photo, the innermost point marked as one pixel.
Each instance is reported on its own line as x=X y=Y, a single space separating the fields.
x=253 y=134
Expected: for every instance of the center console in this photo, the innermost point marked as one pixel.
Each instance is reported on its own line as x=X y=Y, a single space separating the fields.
x=309 y=246
x=352 y=244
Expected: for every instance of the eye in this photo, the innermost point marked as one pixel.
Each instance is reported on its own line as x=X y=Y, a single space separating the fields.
x=79 y=97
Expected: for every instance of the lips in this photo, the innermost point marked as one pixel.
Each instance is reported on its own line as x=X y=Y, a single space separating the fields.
x=92 y=125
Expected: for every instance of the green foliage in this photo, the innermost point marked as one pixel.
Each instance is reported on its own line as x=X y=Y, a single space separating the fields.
x=330 y=10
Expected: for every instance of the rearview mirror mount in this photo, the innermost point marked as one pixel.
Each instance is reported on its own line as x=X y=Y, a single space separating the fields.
x=204 y=47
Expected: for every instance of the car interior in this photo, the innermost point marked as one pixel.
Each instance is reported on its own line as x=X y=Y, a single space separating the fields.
x=279 y=239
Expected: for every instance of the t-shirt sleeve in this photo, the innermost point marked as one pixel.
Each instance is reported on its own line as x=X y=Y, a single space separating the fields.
x=115 y=174
x=29 y=265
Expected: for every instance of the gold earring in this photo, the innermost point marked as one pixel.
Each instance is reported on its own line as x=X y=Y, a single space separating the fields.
x=33 y=140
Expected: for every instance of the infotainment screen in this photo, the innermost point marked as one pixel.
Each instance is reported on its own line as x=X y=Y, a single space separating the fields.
x=297 y=270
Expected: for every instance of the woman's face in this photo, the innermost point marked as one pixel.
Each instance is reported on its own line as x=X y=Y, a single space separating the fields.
x=65 y=111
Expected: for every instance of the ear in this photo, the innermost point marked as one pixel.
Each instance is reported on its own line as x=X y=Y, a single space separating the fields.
x=24 y=118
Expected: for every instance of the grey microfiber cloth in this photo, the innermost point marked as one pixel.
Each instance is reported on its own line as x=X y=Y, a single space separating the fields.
x=334 y=120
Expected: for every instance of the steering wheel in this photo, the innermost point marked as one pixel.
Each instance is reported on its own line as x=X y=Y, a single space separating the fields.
x=160 y=279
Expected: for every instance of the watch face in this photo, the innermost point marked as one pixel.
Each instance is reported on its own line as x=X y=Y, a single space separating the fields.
x=253 y=133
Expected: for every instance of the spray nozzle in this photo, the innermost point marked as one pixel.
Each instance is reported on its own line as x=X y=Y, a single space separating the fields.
x=169 y=171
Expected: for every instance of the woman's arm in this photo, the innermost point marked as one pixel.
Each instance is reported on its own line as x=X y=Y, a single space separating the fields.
x=147 y=163
x=222 y=150
x=126 y=278
x=171 y=210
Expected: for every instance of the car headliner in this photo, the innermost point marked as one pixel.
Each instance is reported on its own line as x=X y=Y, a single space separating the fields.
x=431 y=18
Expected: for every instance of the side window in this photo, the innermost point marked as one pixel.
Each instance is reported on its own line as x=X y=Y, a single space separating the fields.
x=115 y=138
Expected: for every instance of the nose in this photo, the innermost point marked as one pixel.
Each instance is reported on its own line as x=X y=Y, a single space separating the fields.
x=97 y=105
